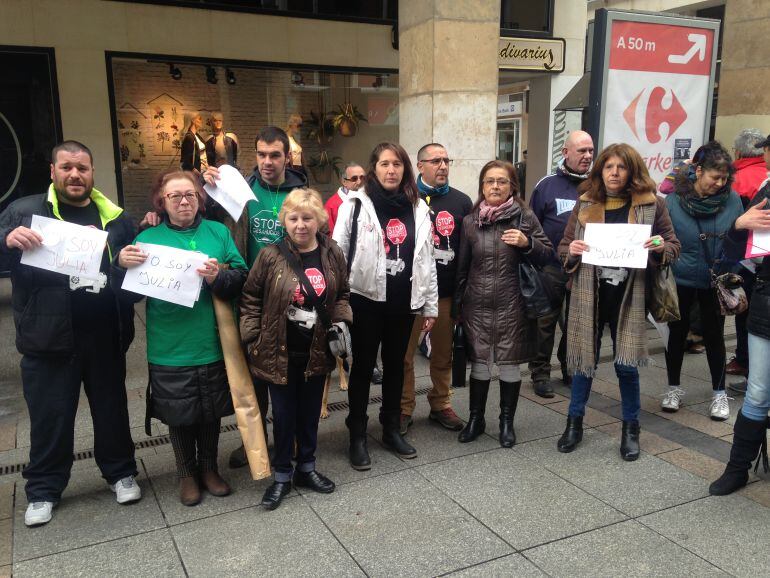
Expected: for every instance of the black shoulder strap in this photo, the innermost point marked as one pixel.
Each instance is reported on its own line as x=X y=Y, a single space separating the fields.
x=353 y=233
x=296 y=266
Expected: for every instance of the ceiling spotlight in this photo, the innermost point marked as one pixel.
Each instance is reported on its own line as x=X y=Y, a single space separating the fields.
x=211 y=75
x=175 y=73
x=230 y=76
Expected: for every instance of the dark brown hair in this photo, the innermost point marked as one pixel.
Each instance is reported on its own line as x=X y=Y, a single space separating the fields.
x=159 y=188
x=639 y=181
x=507 y=167
x=710 y=156
x=408 y=186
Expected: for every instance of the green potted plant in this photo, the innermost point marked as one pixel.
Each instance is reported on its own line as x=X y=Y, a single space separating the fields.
x=346 y=119
x=321 y=127
x=321 y=167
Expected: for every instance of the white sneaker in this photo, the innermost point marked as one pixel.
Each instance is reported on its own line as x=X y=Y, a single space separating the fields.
x=38 y=513
x=127 y=490
x=672 y=399
x=720 y=408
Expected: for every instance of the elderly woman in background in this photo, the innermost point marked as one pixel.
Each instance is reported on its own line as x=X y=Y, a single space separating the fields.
x=188 y=389
x=703 y=209
x=618 y=190
x=291 y=290
x=496 y=236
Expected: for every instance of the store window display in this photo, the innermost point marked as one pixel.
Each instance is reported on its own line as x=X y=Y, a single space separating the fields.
x=221 y=146
x=193 y=154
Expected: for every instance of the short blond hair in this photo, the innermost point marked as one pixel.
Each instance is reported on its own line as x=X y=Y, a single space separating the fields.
x=303 y=200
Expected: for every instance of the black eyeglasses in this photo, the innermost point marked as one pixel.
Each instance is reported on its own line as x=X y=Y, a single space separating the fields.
x=354 y=179
x=438 y=160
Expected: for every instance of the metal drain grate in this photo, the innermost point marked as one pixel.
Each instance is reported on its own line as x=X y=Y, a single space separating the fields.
x=164 y=439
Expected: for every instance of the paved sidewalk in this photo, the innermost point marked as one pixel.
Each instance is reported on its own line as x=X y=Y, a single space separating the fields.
x=465 y=509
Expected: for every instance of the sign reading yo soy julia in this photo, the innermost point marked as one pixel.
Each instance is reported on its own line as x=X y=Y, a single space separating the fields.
x=543 y=54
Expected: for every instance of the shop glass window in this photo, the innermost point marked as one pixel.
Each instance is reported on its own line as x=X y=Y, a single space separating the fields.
x=530 y=16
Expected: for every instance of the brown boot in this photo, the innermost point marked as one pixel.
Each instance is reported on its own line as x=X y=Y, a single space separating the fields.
x=189 y=491
x=214 y=484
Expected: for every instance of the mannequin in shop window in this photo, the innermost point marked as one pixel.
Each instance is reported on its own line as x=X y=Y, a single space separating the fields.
x=221 y=146
x=193 y=156
x=293 y=128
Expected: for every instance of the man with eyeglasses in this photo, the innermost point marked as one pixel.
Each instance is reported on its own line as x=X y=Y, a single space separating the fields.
x=352 y=180
x=448 y=207
x=70 y=330
x=552 y=201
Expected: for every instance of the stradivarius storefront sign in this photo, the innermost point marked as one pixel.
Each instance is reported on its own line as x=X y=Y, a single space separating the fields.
x=543 y=54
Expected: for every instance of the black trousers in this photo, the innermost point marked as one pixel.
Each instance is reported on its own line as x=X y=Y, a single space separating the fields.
x=374 y=325
x=713 y=331
x=195 y=447
x=52 y=389
x=540 y=367
x=296 y=411
x=741 y=333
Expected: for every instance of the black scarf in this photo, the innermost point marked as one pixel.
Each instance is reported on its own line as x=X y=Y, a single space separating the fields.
x=391 y=203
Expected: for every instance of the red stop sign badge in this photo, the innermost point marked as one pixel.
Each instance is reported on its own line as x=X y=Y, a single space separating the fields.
x=445 y=223
x=395 y=231
x=317 y=280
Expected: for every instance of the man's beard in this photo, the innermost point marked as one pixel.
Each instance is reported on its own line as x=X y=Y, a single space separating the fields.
x=78 y=197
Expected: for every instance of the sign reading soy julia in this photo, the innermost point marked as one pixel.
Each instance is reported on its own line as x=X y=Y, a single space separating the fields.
x=543 y=54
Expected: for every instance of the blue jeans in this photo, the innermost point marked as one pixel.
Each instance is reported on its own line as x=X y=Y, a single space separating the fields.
x=757 y=401
x=628 y=378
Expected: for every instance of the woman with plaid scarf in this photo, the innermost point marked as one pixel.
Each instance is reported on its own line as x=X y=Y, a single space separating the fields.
x=618 y=190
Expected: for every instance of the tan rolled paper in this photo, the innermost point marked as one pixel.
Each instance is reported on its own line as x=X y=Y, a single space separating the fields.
x=242 y=389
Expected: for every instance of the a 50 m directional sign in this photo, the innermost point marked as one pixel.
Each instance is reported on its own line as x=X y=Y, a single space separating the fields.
x=652 y=84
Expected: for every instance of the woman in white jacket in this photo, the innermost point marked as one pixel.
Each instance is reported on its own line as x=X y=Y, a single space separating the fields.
x=385 y=232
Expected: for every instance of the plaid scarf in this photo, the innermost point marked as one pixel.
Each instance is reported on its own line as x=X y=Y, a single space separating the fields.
x=630 y=340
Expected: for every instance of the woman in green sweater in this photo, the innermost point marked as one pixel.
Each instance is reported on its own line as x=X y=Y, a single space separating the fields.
x=188 y=389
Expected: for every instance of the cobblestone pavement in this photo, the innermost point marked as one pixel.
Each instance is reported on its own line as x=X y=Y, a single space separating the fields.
x=466 y=509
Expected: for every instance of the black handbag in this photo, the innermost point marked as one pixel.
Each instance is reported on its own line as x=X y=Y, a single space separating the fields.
x=729 y=286
x=536 y=288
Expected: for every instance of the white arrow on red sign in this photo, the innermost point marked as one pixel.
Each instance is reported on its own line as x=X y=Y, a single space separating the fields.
x=698 y=47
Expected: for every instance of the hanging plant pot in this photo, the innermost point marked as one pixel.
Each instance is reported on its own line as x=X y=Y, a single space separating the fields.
x=348 y=127
x=321 y=167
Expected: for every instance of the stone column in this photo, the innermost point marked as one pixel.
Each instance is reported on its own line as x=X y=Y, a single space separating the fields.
x=448 y=79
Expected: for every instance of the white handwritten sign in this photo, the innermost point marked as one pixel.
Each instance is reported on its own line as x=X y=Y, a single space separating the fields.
x=758 y=245
x=232 y=191
x=168 y=274
x=67 y=248
x=616 y=245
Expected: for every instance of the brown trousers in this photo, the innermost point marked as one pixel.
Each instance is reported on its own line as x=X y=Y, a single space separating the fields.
x=440 y=361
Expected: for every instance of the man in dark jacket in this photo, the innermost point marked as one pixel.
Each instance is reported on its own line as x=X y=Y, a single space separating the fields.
x=448 y=208
x=552 y=202
x=70 y=330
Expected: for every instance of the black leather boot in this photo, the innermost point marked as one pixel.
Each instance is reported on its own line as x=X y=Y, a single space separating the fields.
x=572 y=436
x=359 y=450
x=479 y=388
x=629 y=441
x=749 y=439
x=392 y=438
x=509 y=399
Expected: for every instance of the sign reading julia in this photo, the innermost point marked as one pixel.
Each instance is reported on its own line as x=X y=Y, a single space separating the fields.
x=544 y=54
x=616 y=245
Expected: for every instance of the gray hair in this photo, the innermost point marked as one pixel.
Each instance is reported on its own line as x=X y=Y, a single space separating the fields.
x=350 y=165
x=746 y=143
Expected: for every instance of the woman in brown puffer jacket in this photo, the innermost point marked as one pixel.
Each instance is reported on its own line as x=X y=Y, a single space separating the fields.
x=286 y=339
x=496 y=234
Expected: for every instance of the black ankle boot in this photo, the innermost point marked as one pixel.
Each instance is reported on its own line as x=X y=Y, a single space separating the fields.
x=509 y=399
x=572 y=436
x=629 y=441
x=358 y=452
x=749 y=439
x=392 y=438
x=479 y=388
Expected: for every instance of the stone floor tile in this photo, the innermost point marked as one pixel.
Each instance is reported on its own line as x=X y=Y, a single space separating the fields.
x=698 y=422
x=758 y=492
x=625 y=549
x=634 y=488
x=88 y=514
x=6 y=499
x=606 y=388
x=7 y=436
x=521 y=502
x=527 y=393
x=695 y=463
x=246 y=492
x=288 y=541
x=728 y=531
x=149 y=554
x=511 y=565
x=648 y=441
x=404 y=513
x=592 y=418
x=6 y=541
x=6 y=571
